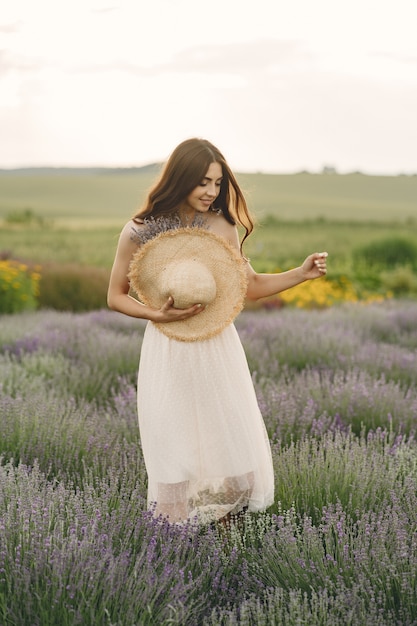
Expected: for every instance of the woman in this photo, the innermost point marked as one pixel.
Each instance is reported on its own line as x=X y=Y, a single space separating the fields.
x=204 y=441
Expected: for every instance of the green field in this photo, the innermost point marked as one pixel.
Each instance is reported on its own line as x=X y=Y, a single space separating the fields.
x=111 y=197
x=78 y=215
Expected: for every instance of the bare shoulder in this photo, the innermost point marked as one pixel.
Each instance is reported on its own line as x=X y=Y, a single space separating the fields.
x=220 y=226
x=130 y=228
x=129 y=236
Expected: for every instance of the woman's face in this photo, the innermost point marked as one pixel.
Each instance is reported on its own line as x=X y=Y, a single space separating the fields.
x=202 y=197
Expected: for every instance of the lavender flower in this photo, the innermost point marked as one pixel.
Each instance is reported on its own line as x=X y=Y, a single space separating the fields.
x=77 y=544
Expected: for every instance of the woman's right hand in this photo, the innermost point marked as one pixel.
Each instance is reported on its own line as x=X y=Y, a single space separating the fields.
x=168 y=312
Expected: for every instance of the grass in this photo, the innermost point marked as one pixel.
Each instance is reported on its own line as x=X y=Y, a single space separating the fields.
x=337 y=389
x=351 y=197
x=111 y=197
x=77 y=217
x=70 y=199
x=273 y=245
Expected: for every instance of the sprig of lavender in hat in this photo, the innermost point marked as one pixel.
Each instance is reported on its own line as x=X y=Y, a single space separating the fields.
x=153 y=226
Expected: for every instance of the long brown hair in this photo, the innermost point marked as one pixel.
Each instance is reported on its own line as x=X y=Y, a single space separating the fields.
x=183 y=172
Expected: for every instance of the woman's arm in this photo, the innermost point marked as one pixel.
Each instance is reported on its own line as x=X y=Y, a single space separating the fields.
x=118 y=297
x=263 y=285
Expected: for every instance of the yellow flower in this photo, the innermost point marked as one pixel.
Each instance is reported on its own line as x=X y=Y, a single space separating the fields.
x=326 y=292
x=19 y=287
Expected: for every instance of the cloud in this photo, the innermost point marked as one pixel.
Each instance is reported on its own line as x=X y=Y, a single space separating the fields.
x=310 y=119
x=7 y=29
x=103 y=10
x=397 y=57
x=17 y=63
x=244 y=57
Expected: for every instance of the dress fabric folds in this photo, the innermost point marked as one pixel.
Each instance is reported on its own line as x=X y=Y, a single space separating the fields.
x=203 y=437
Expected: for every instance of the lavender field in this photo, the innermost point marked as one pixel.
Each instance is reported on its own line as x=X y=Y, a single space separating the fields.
x=338 y=392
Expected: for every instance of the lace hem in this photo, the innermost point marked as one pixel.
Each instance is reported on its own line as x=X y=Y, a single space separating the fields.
x=205 y=500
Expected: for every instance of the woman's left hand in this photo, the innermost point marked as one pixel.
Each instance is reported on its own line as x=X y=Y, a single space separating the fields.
x=315 y=265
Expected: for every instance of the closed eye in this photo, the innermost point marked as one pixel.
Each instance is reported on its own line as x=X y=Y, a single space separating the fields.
x=207 y=180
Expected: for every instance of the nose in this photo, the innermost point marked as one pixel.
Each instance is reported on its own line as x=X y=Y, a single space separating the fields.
x=211 y=190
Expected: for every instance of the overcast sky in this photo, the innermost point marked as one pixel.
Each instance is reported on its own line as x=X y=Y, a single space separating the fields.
x=278 y=86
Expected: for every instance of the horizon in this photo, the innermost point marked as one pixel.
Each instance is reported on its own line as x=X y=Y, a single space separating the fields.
x=325 y=171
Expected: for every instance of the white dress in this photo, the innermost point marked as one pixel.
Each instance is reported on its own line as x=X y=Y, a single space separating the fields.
x=203 y=437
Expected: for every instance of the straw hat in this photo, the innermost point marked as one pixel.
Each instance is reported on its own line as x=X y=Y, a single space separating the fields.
x=193 y=266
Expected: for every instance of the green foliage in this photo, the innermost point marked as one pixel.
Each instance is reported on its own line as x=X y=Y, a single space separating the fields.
x=387 y=264
x=313 y=472
x=73 y=288
x=18 y=287
x=369 y=277
x=389 y=253
x=24 y=217
x=85 y=245
x=400 y=281
x=84 y=212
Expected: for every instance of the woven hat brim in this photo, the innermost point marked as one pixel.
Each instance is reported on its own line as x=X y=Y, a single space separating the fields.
x=223 y=260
